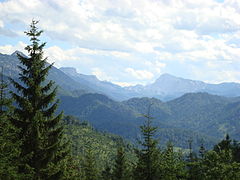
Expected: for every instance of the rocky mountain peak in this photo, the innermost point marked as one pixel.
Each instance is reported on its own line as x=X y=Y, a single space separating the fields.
x=17 y=52
x=69 y=70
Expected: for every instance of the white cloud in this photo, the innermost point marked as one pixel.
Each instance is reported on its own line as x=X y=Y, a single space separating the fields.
x=217 y=76
x=129 y=33
x=1 y=24
x=124 y=84
x=156 y=66
x=227 y=76
x=140 y=74
x=101 y=75
x=9 y=49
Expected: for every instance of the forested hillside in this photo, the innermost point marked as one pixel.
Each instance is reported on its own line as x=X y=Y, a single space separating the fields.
x=201 y=116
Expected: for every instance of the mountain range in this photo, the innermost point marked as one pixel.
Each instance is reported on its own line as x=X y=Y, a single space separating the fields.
x=166 y=87
x=187 y=109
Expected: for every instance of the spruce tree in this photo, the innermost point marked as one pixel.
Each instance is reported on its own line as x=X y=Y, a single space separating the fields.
x=225 y=144
x=42 y=149
x=120 y=169
x=202 y=151
x=90 y=170
x=107 y=173
x=172 y=166
x=148 y=156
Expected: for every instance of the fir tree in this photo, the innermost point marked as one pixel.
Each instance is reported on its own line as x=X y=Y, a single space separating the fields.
x=202 y=151
x=107 y=173
x=172 y=166
x=119 y=171
x=42 y=147
x=91 y=172
x=225 y=144
x=148 y=156
x=228 y=144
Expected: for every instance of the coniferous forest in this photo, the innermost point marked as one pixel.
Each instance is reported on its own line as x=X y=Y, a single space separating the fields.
x=38 y=142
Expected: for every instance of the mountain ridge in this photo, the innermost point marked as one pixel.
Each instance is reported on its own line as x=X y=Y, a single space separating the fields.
x=204 y=116
x=166 y=87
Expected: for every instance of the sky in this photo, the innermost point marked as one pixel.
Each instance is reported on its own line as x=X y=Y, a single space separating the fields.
x=131 y=42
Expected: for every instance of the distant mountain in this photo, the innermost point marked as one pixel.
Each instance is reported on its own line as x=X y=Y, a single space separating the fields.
x=103 y=87
x=168 y=87
x=67 y=85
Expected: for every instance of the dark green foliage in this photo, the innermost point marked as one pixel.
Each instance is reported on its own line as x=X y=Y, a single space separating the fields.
x=9 y=144
x=89 y=166
x=224 y=144
x=9 y=151
x=148 y=155
x=73 y=170
x=220 y=165
x=215 y=164
x=171 y=164
x=102 y=147
x=42 y=148
x=236 y=151
x=83 y=136
x=120 y=167
x=195 y=169
x=228 y=144
x=107 y=173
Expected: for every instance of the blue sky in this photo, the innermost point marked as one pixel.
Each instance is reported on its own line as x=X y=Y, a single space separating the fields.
x=132 y=41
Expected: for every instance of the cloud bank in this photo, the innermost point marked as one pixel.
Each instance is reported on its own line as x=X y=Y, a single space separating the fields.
x=129 y=41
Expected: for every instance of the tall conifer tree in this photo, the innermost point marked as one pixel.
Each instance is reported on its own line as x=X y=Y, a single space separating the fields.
x=90 y=169
x=148 y=156
x=42 y=147
x=120 y=168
